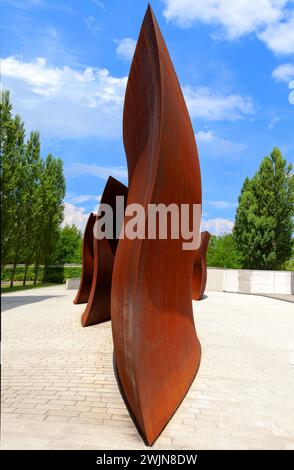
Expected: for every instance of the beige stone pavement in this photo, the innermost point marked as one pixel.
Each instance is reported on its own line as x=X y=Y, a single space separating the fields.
x=59 y=389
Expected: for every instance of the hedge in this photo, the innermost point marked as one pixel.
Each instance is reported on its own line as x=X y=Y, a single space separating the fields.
x=57 y=274
x=61 y=273
x=19 y=273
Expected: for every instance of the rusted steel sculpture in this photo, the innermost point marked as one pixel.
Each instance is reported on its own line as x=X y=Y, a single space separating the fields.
x=156 y=349
x=88 y=262
x=98 y=306
x=200 y=268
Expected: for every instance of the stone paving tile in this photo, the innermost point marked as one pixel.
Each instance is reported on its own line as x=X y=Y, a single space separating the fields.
x=60 y=392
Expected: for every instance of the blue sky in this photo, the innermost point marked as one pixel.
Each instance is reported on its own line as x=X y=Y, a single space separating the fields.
x=66 y=64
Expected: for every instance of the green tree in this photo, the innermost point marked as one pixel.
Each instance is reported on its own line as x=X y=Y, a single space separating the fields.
x=32 y=175
x=223 y=252
x=12 y=168
x=7 y=145
x=13 y=164
x=32 y=193
x=264 y=219
x=68 y=248
x=49 y=211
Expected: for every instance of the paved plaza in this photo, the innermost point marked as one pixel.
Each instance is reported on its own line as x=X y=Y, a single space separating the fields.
x=59 y=390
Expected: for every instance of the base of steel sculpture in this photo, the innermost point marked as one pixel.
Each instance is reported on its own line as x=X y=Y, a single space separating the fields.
x=131 y=413
x=157 y=352
x=200 y=268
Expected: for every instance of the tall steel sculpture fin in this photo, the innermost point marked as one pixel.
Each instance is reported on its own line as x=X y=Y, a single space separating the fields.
x=156 y=349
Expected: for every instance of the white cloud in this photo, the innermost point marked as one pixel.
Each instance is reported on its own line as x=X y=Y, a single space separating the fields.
x=29 y=4
x=103 y=172
x=217 y=226
x=237 y=17
x=291 y=96
x=279 y=37
x=74 y=215
x=271 y=20
x=273 y=122
x=284 y=72
x=92 y=25
x=214 y=145
x=83 y=198
x=205 y=136
x=203 y=103
x=126 y=48
x=64 y=102
x=100 y=4
x=221 y=204
x=23 y=4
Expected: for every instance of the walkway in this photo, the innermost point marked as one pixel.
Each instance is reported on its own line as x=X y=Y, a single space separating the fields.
x=59 y=389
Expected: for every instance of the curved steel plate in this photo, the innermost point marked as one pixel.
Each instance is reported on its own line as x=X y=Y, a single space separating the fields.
x=157 y=352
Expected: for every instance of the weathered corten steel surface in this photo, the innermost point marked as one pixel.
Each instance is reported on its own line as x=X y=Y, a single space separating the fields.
x=200 y=268
x=98 y=307
x=157 y=352
x=88 y=262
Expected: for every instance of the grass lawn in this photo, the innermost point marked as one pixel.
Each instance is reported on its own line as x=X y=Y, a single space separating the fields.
x=18 y=286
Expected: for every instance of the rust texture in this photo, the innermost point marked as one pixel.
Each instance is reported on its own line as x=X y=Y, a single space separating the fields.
x=156 y=349
x=98 y=306
x=88 y=262
x=200 y=268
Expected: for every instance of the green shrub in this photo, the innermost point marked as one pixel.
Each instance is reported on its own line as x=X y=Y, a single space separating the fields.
x=61 y=273
x=57 y=274
x=223 y=252
x=289 y=265
x=19 y=273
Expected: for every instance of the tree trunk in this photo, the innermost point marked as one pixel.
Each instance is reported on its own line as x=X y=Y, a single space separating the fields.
x=14 y=263
x=36 y=273
x=13 y=272
x=25 y=274
x=46 y=269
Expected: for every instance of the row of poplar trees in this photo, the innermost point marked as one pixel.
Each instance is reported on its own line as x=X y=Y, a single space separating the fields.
x=32 y=192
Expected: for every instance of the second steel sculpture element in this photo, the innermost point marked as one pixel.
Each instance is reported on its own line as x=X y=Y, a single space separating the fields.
x=156 y=349
x=98 y=306
x=88 y=262
x=200 y=268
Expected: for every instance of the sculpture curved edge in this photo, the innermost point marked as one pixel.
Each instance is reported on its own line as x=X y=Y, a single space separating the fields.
x=84 y=289
x=200 y=268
